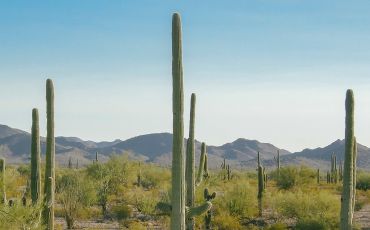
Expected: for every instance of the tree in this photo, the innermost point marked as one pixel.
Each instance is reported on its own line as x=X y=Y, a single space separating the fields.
x=74 y=192
x=108 y=179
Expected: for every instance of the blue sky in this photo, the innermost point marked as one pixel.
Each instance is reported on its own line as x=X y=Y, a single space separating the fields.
x=275 y=71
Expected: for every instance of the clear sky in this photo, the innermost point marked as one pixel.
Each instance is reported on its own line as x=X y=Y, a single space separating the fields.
x=275 y=71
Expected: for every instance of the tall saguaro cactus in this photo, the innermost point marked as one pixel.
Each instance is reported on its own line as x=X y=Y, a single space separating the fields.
x=189 y=173
x=346 y=212
x=2 y=181
x=278 y=163
x=178 y=170
x=35 y=158
x=50 y=151
x=260 y=184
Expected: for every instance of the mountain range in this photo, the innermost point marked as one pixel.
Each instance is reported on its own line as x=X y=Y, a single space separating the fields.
x=156 y=147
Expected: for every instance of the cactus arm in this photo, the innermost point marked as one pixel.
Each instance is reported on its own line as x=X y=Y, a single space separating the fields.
x=199 y=210
x=206 y=174
x=201 y=164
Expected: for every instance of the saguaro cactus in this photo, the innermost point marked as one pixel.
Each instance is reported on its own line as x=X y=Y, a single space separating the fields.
x=207 y=219
x=318 y=176
x=178 y=170
x=70 y=165
x=260 y=184
x=2 y=180
x=50 y=152
x=228 y=170
x=346 y=212
x=35 y=158
x=278 y=163
x=189 y=172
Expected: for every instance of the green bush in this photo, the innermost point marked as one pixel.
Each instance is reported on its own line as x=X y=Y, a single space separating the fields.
x=311 y=224
x=278 y=226
x=240 y=200
x=292 y=176
x=225 y=221
x=363 y=181
x=122 y=212
x=309 y=208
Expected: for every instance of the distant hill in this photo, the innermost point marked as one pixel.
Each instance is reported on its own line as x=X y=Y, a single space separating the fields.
x=157 y=148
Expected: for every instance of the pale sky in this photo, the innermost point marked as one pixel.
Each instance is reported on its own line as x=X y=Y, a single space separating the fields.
x=275 y=71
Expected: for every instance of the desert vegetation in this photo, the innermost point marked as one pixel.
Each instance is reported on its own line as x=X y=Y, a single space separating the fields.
x=123 y=193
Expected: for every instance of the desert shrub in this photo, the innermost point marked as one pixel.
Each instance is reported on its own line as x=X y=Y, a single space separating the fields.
x=311 y=224
x=359 y=204
x=278 y=226
x=292 y=176
x=240 y=200
x=74 y=192
x=24 y=170
x=363 y=181
x=109 y=179
x=155 y=177
x=20 y=217
x=224 y=221
x=288 y=177
x=122 y=212
x=133 y=225
x=310 y=208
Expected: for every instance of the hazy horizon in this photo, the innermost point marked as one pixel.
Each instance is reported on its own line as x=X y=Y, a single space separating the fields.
x=275 y=72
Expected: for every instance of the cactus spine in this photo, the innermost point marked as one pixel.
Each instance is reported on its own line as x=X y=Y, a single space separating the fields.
x=2 y=180
x=35 y=158
x=189 y=173
x=178 y=170
x=50 y=154
x=346 y=212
